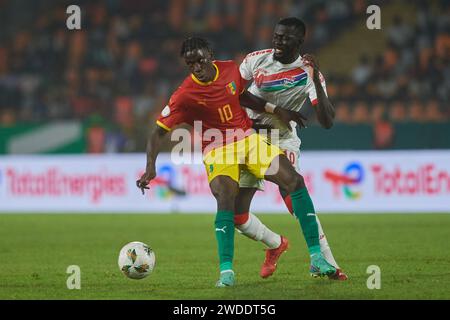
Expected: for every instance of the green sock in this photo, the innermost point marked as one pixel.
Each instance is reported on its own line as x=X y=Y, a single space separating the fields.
x=225 y=238
x=304 y=210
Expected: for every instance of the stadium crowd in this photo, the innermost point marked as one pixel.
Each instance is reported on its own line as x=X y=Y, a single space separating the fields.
x=118 y=70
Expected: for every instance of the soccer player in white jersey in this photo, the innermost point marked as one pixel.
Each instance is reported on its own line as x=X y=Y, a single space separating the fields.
x=285 y=79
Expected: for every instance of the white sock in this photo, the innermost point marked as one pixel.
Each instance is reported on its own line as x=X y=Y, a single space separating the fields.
x=256 y=230
x=325 y=247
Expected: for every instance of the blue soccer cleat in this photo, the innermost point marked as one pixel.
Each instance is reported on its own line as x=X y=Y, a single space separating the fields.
x=226 y=279
x=320 y=267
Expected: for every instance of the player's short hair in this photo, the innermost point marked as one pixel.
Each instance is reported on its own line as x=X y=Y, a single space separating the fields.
x=194 y=43
x=294 y=22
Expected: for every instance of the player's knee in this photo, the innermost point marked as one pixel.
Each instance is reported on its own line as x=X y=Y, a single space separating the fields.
x=295 y=182
x=225 y=203
x=225 y=199
x=241 y=207
x=240 y=219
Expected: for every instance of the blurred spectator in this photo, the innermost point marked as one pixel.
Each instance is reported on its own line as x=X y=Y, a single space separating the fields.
x=114 y=141
x=400 y=34
x=390 y=59
x=397 y=111
x=360 y=113
x=343 y=113
x=387 y=86
x=416 y=112
x=378 y=112
x=145 y=102
x=362 y=72
x=7 y=118
x=95 y=139
x=433 y=112
x=124 y=112
x=338 y=11
x=383 y=132
x=320 y=32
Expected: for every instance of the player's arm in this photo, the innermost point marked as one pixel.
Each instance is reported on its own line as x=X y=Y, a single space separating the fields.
x=172 y=115
x=153 y=146
x=324 y=109
x=249 y=100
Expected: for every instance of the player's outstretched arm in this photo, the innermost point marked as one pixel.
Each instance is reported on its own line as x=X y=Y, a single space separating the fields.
x=153 y=145
x=260 y=105
x=324 y=109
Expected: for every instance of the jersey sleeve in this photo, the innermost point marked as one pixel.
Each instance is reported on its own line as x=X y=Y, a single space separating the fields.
x=242 y=82
x=174 y=113
x=312 y=89
x=246 y=69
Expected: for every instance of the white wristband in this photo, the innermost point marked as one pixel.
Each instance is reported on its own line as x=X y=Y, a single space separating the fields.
x=270 y=107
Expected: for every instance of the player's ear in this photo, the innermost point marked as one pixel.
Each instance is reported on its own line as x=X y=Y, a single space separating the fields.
x=210 y=54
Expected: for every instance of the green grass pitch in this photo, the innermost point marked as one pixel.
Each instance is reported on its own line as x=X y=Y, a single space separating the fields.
x=411 y=250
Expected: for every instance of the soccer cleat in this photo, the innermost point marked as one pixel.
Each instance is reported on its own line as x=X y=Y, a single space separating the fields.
x=272 y=255
x=226 y=279
x=339 y=275
x=320 y=267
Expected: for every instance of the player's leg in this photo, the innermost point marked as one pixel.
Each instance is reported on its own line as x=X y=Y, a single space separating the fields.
x=222 y=168
x=324 y=246
x=267 y=160
x=251 y=226
x=294 y=157
x=282 y=173
x=225 y=189
x=247 y=223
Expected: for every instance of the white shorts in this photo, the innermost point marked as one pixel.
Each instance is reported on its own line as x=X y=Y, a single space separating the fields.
x=248 y=180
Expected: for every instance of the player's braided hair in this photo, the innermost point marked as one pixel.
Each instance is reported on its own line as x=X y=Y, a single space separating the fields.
x=294 y=22
x=194 y=43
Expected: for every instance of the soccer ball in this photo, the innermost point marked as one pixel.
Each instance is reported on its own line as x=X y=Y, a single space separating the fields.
x=136 y=260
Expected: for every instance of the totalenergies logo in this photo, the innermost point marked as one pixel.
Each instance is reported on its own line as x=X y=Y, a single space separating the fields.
x=352 y=176
x=163 y=184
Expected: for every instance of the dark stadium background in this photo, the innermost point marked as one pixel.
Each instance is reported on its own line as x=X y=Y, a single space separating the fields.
x=391 y=87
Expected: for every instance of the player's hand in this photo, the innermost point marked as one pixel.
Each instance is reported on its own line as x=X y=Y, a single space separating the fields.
x=145 y=179
x=257 y=125
x=286 y=116
x=311 y=61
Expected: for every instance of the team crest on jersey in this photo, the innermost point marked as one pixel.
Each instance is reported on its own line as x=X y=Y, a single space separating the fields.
x=282 y=80
x=231 y=88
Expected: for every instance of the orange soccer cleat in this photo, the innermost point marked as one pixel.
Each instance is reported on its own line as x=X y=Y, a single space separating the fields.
x=338 y=275
x=272 y=255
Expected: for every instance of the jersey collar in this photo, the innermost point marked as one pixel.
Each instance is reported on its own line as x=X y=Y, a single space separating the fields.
x=209 y=82
x=297 y=61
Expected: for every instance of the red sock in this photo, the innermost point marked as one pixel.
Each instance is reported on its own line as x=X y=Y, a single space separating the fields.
x=288 y=203
x=241 y=218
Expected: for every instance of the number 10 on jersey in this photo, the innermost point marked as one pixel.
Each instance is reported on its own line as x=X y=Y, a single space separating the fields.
x=225 y=113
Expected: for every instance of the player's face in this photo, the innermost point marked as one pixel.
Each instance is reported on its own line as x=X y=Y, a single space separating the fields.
x=286 y=42
x=199 y=62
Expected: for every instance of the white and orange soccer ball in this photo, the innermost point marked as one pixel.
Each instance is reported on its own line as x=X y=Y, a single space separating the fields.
x=136 y=260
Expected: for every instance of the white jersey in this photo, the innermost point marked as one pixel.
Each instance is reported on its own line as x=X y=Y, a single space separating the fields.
x=285 y=85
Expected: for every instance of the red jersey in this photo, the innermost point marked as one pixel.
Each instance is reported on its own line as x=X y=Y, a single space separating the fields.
x=215 y=104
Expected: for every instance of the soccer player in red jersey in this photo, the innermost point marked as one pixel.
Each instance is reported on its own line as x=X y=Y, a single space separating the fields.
x=212 y=93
